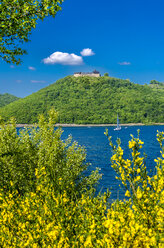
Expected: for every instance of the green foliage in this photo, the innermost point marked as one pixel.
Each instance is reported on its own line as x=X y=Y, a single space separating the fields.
x=40 y=152
x=6 y=99
x=17 y=18
x=49 y=217
x=91 y=100
x=106 y=74
x=154 y=82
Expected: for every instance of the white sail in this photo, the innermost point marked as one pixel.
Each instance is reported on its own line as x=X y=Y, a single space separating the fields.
x=118 y=125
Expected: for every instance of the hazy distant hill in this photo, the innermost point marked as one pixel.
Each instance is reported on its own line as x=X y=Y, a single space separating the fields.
x=6 y=99
x=91 y=100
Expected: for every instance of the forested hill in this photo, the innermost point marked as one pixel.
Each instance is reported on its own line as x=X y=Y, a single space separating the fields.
x=6 y=99
x=91 y=100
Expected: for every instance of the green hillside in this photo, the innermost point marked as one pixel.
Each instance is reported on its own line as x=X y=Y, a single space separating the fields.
x=6 y=99
x=91 y=100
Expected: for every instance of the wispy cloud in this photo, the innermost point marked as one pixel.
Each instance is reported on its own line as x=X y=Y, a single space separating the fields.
x=38 y=81
x=31 y=68
x=87 y=52
x=124 y=63
x=63 y=59
x=12 y=66
x=19 y=81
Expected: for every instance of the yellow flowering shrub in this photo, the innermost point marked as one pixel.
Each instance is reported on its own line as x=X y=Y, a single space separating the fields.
x=49 y=215
x=146 y=195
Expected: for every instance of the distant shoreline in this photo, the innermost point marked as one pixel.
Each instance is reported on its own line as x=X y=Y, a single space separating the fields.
x=95 y=125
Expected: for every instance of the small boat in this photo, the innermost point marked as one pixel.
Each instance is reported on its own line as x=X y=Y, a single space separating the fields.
x=118 y=125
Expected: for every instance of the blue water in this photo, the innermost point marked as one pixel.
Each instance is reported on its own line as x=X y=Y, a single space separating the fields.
x=99 y=152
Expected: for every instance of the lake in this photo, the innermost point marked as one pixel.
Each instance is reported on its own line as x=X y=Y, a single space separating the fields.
x=99 y=152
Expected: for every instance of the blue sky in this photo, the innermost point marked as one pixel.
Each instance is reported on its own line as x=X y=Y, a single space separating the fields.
x=125 y=38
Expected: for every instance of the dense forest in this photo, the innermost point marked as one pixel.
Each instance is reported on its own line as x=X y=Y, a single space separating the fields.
x=6 y=99
x=92 y=100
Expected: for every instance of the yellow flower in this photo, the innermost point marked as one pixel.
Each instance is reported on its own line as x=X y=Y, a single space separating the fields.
x=139 y=193
x=132 y=143
x=114 y=157
x=81 y=239
x=155 y=177
x=138 y=178
x=11 y=183
x=88 y=242
x=127 y=193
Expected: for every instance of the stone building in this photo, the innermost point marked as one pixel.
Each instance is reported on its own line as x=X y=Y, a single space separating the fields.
x=90 y=74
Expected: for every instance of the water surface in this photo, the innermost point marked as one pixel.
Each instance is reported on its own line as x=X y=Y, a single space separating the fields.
x=99 y=152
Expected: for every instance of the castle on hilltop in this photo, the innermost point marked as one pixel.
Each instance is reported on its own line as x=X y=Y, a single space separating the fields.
x=90 y=74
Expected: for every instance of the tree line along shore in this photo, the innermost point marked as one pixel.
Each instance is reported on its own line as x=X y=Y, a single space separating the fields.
x=93 y=125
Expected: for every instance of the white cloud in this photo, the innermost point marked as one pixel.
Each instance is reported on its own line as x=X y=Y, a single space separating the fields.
x=124 y=63
x=19 y=81
x=63 y=59
x=31 y=68
x=87 y=52
x=38 y=81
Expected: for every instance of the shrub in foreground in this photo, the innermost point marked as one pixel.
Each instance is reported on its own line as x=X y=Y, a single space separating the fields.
x=49 y=217
x=38 y=155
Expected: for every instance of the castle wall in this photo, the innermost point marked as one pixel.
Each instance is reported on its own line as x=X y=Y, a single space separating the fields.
x=85 y=74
